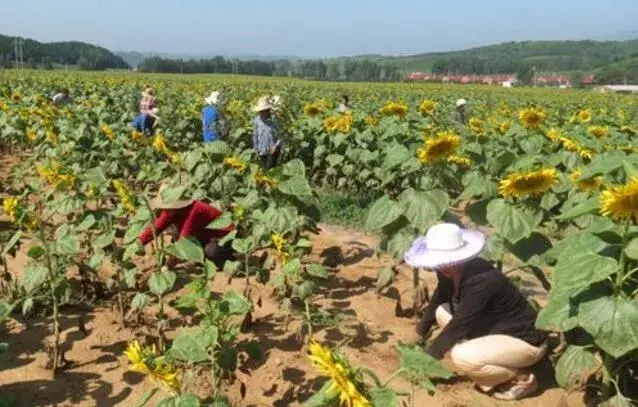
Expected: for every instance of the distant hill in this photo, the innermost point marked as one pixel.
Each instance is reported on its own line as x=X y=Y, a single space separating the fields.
x=85 y=56
x=554 y=56
x=134 y=58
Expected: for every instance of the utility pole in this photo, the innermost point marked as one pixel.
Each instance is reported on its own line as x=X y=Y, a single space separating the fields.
x=18 y=44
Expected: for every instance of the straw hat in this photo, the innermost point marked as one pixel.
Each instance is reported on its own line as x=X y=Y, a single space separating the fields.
x=445 y=245
x=213 y=98
x=461 y=102
x=163 y=201
x=148 y=91
x=263 y=104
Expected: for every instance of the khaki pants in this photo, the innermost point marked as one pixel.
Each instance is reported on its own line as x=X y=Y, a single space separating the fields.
x=493 y=359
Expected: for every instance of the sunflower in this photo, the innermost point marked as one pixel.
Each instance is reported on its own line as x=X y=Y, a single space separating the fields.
x=585 y=153
x=16 y=97
x=31 y=134
x=528 y=183
x=51 y=137
x=371 y=121
x=263 y=180
x=427 y=107
x=477 y=125
x=395 y=109
x=311 y=109
x=108 y=132
x=280 y=244
x=138 y=137
x=598 y=131
x=159 y=144
x=504 y=127
x=344 y=381
x=459 y=160
x=621 y=203
x=554 y=135
x=532 y=118
x=627 y=130
x=590 y=184
x=10 y=207
x=341 y=123
x=236 y=163
x=126 y=197
x=584 y=116
x=434 y=149
x=147 y=361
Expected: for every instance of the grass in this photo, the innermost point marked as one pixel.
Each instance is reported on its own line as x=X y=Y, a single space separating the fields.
x=344 y=210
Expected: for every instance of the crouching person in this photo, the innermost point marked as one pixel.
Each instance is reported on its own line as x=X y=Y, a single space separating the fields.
x=486 y=323
x=190 y=218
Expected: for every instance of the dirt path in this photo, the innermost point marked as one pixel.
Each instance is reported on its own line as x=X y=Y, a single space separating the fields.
x=284 y=377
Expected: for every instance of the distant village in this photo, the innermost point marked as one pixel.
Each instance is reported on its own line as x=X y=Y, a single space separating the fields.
x=505 y=80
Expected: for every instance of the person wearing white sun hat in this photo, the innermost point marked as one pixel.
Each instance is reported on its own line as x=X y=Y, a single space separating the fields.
x=211 y=117
x=460 y=113
x=265 y=141
x=487 y=324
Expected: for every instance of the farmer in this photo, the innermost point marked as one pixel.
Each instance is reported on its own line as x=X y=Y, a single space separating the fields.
x=148 y=100
x=487 y=325
x=190 y=219
x=344 y=106
x=146 y=122
x=265 y=141
x=62 y=98
x=211 y=117
x=460 y=113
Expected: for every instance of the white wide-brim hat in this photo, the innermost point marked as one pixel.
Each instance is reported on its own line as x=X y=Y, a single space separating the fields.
x=213 y=98
x=263 y=104
x=445 y=245
x=461 y=102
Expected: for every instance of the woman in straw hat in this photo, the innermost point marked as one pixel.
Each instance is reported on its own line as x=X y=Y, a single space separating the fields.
x=487 y=324
x=211 y=117
x=190 y=218
x=265 y=140
x=146 y=122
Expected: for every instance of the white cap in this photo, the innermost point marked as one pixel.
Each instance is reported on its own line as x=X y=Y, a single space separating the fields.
x=461 y=102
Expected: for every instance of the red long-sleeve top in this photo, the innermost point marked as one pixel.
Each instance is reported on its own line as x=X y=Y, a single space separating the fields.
x=190 y=221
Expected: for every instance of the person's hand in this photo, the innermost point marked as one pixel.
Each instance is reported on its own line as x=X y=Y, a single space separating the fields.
x=273 y=150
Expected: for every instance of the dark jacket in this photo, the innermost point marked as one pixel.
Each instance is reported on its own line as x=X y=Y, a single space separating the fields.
x=488 y=304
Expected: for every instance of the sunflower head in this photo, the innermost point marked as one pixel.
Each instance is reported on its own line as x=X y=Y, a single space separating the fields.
x=371 y=121
x=311 y=109
x=10 y=206
x=395 y=109
x=584 y=116
x=434 y=149
x=553 y=135
x=532 y=118
x=620 y=203
x=504 y=127
x=598 y=131
x=528 y=183
x=477 y=125
x=235 y=163
x=590 y=184
x=461 y=161
x=427 y=107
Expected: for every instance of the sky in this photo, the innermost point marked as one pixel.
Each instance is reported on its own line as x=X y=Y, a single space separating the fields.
x=309 y=29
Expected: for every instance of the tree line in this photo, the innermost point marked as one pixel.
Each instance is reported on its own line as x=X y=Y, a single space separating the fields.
x=47 y=55
x=348 y=70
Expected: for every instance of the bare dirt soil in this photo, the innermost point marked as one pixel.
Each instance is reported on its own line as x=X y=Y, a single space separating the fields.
x=98 y=374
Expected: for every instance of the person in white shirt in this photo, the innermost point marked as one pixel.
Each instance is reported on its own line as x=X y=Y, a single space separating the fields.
x=62 y=98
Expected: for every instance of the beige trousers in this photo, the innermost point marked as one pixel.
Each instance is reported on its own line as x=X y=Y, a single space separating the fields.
x=493 y=359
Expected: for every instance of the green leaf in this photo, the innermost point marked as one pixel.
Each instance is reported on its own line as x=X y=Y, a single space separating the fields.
x=133 y=232
x=140 y=301
x=583 y=208
x=317 y=270
x=305 y=290
x=534 y=245
x=222 y=222
x=559 y=314
x=292 y=269
x=173 y=193
x=131 y=250
x=303 y=244
x=242 y=246
x=549 y=201
x=396 y=154
x=576 y=243
x=183 y=400
x=229 y=237
x=383 y=397
x=211 y=269
x=11 y=243
x=631 y=250
x=253 y=349
x=613 y=323
x=617 y=401
x=33 y=277
x=104 y=240
x=423 y=209
x=385 y=278
x=324 y=398
x=65 y=242
x=191 y=345
x=161 y=282
x=580 y=270
x=630 y=170
x=35 y=252
x=294 y=167
x=575 y=366
x=87 y=223
x=236 y=304
x=383 y=212
x=129 y=277
x=188 y=249
x=510 y=221
x=603 y=165
x=418 y=364
x=296 y=186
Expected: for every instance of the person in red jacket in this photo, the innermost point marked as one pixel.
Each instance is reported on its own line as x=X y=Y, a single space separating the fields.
x=190 y=219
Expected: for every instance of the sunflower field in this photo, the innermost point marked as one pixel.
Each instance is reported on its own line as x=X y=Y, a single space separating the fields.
x=550 y=175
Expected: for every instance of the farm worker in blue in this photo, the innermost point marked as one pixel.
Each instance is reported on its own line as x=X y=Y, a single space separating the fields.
x=211 y=117
x=146 y=122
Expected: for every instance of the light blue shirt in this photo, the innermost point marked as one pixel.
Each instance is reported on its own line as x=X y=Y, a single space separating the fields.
x=264 y=135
